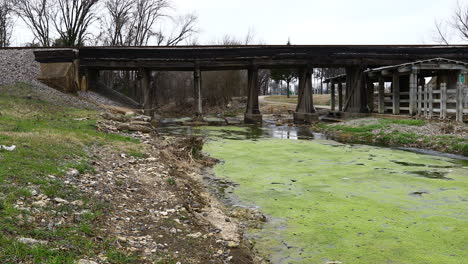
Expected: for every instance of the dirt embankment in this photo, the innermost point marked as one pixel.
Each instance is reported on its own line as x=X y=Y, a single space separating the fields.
x=158 y=207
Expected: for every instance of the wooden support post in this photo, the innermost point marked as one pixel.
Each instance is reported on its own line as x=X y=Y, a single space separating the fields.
x=340 y=96
x=146 y=89
x=460 y=98
x=333 y=99
x=443 y=100
x=305 y=111
x=420 y=100
x=356 y=92
x=381 y=95
x=426 y=101
x=370 y=94
x=430 y=101
x=396 y=93
x=413 y=93
x=197 y=83
x=252 y=115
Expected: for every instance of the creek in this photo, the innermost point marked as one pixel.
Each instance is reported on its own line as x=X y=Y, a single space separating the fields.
x=327 y=201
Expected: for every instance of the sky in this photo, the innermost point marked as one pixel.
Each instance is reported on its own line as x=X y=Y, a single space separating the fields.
x=310 y=21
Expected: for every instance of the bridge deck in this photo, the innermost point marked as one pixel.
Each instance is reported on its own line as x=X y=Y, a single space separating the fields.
x=186 y=58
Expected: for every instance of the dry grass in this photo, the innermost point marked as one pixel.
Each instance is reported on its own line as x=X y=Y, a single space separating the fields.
x=319 y=99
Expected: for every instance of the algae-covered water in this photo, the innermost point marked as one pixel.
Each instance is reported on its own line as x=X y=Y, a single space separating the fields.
x=327 y=201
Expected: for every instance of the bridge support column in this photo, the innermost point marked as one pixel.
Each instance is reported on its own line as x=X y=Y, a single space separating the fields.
x=356 y=91
x=253 y=115
x=305 y=111
x=146 y=91
x=413 y=93
x=333 y=99
x=340 y=96
x=197 y=84
x=396 y=93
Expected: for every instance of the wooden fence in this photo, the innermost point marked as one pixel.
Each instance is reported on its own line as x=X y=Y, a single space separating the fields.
x=443 y=102
x=429 y=102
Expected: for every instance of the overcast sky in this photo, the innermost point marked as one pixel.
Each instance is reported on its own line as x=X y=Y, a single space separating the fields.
x=321 y=21
x=312 y=21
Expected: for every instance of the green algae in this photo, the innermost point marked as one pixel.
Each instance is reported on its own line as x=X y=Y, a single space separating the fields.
x=354 y=204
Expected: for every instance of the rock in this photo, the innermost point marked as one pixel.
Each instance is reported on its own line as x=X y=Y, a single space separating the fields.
x=141 y=118
x=77 y=203
x=60 y=200
x=141 y=123
x=173 y=231
x=34 y=192
x=73 y=173
x=196 y=235
x=31 y=241
x=233 y=121
x=132 y=127
x=86 y=261
x=40 y=203
x=232 y=244
x=118 y=118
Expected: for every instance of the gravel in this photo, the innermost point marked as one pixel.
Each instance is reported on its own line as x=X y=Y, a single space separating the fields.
x=19 y=66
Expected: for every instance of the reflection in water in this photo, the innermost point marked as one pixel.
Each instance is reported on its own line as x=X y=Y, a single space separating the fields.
x=245 y=132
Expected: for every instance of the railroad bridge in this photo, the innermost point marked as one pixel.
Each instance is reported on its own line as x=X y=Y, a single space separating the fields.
x=86 y=62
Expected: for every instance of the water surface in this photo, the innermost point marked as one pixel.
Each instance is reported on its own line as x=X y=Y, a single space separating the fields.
x=327 y=201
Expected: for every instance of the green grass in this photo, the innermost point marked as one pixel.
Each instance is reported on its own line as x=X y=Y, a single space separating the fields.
x=50 y=139
x=366 y=133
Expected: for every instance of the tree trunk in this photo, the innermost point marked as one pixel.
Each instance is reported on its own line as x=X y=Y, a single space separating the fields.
x=287 y=89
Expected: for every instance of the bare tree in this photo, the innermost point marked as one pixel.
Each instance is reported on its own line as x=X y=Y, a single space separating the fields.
x=441 y=33
x=72 y=20
x=185 y=27
x=457 y=25
x=145 y=15
x=119 y=15
x=37 y=15
x=460 y=20
x=6 y=23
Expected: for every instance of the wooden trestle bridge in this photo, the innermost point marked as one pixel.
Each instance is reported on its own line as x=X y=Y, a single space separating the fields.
x=88 y=61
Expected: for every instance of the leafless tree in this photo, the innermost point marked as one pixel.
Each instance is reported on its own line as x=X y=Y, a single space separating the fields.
x=460 y=20
x=119 y=15
x=37 y=15
x=457 y=25
x=145 y=15
x=72 y=19
x=441 y=33
x=6 y=23
x=185 y=27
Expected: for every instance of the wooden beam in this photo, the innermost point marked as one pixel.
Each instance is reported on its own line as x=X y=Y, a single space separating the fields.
x=340 y=96
x=146 y=88
x=396 y=93
x=333 y=103
x=197 y=83
x=381 y=95
x=413 y=87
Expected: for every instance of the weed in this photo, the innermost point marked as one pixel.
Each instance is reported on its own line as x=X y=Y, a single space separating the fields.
x=171 y=181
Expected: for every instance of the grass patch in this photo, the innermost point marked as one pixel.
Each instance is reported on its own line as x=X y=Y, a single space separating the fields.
x=50 y=139
x=375 y=133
